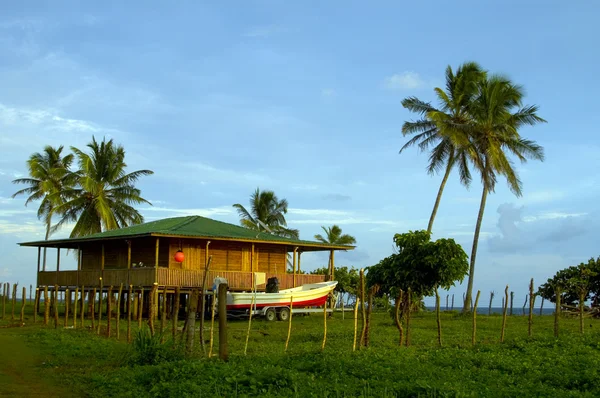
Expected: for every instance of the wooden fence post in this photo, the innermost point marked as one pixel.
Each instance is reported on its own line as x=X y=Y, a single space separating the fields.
x=67 y=305
x=100 y=305
x=151 y=309
x=14 y=301
x=287 y=341
x=542 y=307
x=93 y=309
x=36 y=304
x=175 y=316
x=75 y=303
x=474 y=337
x=212 y=324
x=55 y=306
x=325 y=326
x=82 y=305
x=355 y=322
x=163 y=318
x=191 y=320
x=492 y=294
x=4 y=291
x=504 y=314
x=30 y=293
x=531 y=304
x=397 y=316
x=119 y=298
x=23 y=306
x=46 y=306
x=109 y=297
x=223 y=348
x=512 y=296
x=140 y=308
x=452 y=307
x=362 y=307
x=129 y=313
x=437 y=315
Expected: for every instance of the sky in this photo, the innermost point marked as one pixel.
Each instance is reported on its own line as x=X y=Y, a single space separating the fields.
x=304 y=98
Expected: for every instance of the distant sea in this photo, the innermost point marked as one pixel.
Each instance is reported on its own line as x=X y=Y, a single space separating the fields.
x=498 y=310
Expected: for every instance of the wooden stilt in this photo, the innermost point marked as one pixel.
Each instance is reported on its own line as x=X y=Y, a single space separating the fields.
x=75 y=307
x=119 y=298
x=129 y=312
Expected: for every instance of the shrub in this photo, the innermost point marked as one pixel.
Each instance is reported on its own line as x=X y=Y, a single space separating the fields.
x=149 y=350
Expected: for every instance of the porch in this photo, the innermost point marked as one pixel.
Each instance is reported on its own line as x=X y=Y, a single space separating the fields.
x=164 y=277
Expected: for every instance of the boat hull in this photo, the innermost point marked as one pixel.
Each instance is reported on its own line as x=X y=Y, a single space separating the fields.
x=311 y=295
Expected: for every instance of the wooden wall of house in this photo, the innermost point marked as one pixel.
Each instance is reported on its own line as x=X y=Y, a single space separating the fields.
x=228 y=256
x=115 y=253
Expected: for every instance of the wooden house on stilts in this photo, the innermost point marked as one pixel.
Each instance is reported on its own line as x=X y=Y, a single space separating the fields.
x=146 y=255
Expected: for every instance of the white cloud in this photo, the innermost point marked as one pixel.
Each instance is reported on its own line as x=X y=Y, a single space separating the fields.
x=552 y=215
x=542 y=196
x=404 y=81
x=342 y=221
x=27 y=227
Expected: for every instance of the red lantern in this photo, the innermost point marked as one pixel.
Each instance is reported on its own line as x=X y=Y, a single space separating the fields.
x=179 y=257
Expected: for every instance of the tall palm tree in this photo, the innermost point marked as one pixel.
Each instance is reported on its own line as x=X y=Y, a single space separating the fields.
x=49 y=176
x=105 y=193
x=436 y=126
x=267 y=209
x=333 y=235
x=497 y=114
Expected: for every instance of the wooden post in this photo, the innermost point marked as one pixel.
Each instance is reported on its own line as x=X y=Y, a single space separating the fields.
x=129 y=312
x=409 y=304
x=369 y=311
x=542 y=307
x=531 y=304
x=30 y=293
x=223 y=349
x=492 y=294
x=397 y=315
x=156 y=261
x=23 y=306
x=452 y=307
x=37 y=276
x=79 y=254
x=129 y=265
x=140 y=308
x=46 y=306
x=212 y=323
x=362 y=306
x=119 y=298
x=163 y=318
x=474 y=337
x=203 y=299
x=14 y=301
x=191 y=320
x=57 y=267
x=93 y=308
x=324 y=326
x=287 y=341
x=524 y=305
x=102 y=265
x=55 y=306
x=355 y=322
x=332 y=275
x=67 y=305
x=36 y=304
x=100 y=298
x=109 y=297
x=82 y=312
x=512 y=296
x=437 y=314
x=250 y=324
x=151 y=305
x=5 y=292
x=557 y=311
x=294 y=266
x=447 y=297
x=175 y=316
x=75 y=306
x=504 y=313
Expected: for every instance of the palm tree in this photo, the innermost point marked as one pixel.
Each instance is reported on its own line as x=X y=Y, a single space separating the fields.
x=105 y=193
x=266 y=210
x=497 y=114
x=333 y=235
x=437 y=125
x=49 y=175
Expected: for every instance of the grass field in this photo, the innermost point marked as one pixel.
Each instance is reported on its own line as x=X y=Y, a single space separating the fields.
x=77 y=362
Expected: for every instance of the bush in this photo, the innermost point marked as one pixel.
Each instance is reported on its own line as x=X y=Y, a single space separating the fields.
x=149 y=350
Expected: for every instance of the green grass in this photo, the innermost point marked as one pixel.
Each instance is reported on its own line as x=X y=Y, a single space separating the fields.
x=94 y=366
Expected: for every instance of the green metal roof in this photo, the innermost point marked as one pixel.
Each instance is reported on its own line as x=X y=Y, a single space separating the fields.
x=191 y=227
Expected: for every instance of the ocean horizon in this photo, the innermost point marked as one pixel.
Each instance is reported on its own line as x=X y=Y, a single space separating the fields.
x=498 y=310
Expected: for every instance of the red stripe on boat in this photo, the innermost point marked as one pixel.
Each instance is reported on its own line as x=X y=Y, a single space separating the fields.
x=306 y=303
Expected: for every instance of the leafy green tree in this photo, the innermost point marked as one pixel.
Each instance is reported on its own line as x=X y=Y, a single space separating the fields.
x=103 y=197
x=573 y=281
x=436 y=126
x=496 y=115
x=347 y=279
x=420 y=264
x=49 y=176
x=266 y=210
x=333 y=235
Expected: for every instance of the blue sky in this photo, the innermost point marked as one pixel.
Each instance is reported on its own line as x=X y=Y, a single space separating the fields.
x=303 y=98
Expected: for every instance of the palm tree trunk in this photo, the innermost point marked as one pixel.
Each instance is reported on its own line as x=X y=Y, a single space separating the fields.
x=439 y=196
x=48 y=224
x=467 y=304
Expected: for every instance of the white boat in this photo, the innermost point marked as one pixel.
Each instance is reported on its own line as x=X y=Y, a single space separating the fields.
x=309 y=295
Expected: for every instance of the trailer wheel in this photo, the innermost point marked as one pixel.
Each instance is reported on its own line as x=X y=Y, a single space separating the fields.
x=270 y=314
x=284 y=314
